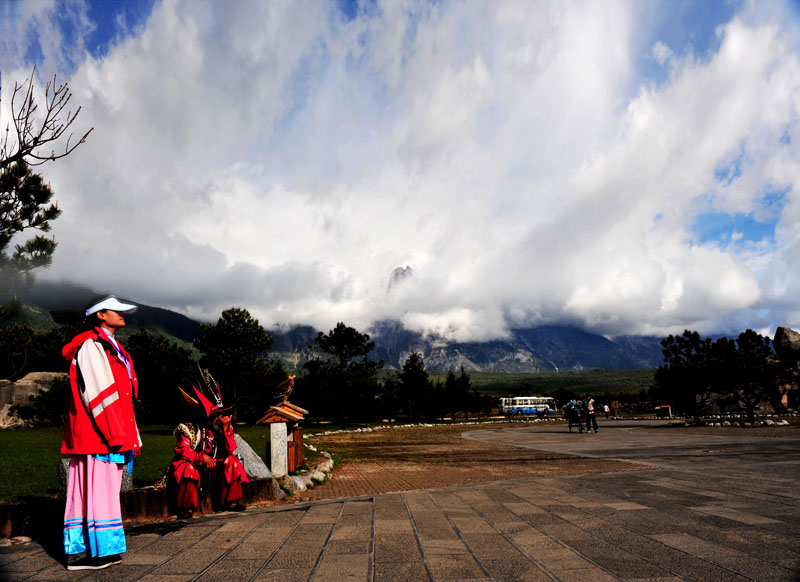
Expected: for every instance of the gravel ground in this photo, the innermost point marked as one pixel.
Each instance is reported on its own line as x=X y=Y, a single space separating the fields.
x=406 y=459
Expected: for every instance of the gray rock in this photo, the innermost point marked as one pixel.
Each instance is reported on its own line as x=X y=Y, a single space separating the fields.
x=787 y=344
x=254 y=466
x=127 y=479
x=23 y=390
x=62 y=471
x=294 y=483
x=277 y=492
x=8 y=420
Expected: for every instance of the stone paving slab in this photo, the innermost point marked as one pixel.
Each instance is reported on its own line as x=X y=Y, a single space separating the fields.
x=701 y=508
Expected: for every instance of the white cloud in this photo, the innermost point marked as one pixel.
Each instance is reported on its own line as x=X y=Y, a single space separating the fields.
x=284 y=159
x=661 y=53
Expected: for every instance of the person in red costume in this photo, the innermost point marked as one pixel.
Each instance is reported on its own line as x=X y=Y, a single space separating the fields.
x=100 y=435
x=204 y=455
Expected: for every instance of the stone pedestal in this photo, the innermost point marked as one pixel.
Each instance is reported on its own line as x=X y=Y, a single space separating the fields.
x=278 y=449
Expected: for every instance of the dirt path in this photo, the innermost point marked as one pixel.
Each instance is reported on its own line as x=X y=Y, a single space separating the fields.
x=406 y=459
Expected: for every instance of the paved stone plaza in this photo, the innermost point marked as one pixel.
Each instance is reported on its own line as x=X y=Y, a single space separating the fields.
x=700 y=507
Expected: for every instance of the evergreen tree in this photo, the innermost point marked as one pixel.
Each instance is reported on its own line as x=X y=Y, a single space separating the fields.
x=23 y=350
x=416 y=387
x=24 y=197
x=17 y=347
x=734 y=371
x=458 y=394
x=452 y=398
x=755 y=374
x=234 y=351
x=24 y=205
x=341 y=379
x=687 y=377
x=390 y=397
x=161 y=366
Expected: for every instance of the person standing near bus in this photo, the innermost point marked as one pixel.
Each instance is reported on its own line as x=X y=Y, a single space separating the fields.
x=101 y=436
x=591 y=417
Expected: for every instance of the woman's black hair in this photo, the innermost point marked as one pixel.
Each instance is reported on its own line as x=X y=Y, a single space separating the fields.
x=92 y=321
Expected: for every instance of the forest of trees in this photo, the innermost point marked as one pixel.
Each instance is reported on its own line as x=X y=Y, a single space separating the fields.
x=732 y=375
x=340 y=383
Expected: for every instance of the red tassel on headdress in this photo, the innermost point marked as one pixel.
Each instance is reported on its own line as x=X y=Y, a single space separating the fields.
x=212 y=387
x=207 y=405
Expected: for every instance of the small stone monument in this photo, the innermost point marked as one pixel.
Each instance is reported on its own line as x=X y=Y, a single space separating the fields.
x=277 y=416
x=278 y=448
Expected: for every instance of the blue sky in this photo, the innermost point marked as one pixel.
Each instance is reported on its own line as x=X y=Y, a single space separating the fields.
x=114 y=18
x=93 y=27
x=687 y=27
x=628 y=167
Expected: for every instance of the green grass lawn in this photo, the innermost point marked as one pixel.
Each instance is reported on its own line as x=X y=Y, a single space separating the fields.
x=28 y=463
x=30 y=457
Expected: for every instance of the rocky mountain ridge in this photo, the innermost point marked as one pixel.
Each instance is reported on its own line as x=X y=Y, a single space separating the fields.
x=540 y=349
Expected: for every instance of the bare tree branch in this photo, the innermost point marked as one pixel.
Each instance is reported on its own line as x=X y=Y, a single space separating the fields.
x=34 y=137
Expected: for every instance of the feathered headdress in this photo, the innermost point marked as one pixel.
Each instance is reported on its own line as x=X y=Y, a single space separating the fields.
x=211 y=405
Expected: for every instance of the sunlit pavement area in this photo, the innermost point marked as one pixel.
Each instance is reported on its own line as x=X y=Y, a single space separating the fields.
x=702 y=507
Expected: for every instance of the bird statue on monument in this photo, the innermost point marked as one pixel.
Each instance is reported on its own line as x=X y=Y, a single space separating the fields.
x=284 y=389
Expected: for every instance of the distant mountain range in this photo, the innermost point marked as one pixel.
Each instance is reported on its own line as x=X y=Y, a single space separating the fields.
x=548 y=348
x=539 y=349
x=55 y=296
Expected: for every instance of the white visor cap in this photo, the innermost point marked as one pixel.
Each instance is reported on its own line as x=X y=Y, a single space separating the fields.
x=113 y=304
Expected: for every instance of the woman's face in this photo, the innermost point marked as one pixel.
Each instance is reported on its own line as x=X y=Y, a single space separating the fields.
x=111 y=320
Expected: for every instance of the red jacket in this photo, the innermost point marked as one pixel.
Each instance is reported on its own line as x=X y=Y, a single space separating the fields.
x=101 y=418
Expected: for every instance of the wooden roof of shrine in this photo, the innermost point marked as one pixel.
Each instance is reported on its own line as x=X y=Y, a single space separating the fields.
x=283 y=412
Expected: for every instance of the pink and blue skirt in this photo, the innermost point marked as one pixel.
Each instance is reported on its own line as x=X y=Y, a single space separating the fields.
x=93 y=516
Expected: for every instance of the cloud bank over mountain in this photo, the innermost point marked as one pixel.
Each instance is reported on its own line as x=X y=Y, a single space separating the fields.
x=624 y=167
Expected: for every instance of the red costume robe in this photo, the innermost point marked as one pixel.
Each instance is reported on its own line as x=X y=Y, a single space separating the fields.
x=193 y=477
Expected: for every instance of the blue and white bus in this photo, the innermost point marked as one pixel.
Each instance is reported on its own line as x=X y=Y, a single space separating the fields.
x=528 y=405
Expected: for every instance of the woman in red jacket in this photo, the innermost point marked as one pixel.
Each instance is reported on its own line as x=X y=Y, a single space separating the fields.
x=101 y=436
